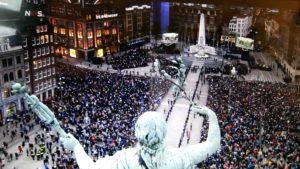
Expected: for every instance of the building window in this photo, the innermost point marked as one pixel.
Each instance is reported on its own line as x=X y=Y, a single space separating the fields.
x=41 y=86
x=45 y=73
x=36 y=76
x=20 y=74
x=45 y=85
x=43 y=51
x=49 y=72
x=42 y=39
x=90 y=34
x=98 y=32
x=27 y=79
x=27 y=66
x=4 y=63
x=5 y=77
x=47 y=50
x=18 y=59
x=63 y=31
x=79 y=34
x=34 y=53
x=52 y=49
x=10 y=62
x=37 y=40
x=40 y=75
x=11 y=76
x=40 y=63
x=48 y=61
x=71 y=32
x=35 y=64
x=55 y=29
x=36 y=88
x=114 y=31
x=53 y=71
x=49 y=83
x=24 y=42
x=52 y=60
x=51 y=38
x=46 y=38
x=33 y=41
x=38 y=52
x=25 y=55
x=44 y=62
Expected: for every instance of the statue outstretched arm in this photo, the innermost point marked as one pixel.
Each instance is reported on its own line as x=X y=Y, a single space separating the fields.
x=201 y=151
x=39 y=108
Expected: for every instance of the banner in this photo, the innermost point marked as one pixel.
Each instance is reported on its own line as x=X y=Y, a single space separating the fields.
x=245 y=43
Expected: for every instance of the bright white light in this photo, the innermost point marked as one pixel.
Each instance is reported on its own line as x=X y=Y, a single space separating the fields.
x=6 y=31
x=14 y=5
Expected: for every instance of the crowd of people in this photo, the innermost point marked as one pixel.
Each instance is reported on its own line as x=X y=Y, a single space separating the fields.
x=131 y=59
x=101 y=108
x=256 y=119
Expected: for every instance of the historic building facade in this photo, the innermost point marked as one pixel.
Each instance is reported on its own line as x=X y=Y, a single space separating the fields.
x=11 y=71
x=186 y=17
x=85 y=31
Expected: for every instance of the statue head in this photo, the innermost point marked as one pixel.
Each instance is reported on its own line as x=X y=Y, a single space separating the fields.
x=150 y=130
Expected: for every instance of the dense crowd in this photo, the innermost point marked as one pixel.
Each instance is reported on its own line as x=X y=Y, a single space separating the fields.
x=100 y=108
x=131 y=59
x=255 y=120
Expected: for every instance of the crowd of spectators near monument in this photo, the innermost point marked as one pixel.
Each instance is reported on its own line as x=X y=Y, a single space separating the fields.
x=130 y=59
x=246 y=108
x=101 y=108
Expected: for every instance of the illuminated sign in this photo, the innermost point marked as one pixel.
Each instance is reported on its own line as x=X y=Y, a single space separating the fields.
x=104 y=16
x=137 y=7
x=34 y=13
x=99 y=53
x=73 y=53
x=245 y=43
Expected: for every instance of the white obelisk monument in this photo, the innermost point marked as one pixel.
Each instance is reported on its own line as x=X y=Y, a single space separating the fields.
x=201 y=50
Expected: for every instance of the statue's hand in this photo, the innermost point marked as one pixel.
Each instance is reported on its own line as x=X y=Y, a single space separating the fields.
x=202 y=110
x=69 y=142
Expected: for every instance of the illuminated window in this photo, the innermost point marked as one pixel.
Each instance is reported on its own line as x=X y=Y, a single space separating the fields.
x=98 y=33
x=79 y=34
x=34 y=64
x=39 y=63
x=71 y=32
x=63 y=31
x=45 y=28
x=105 y=24
x=46 y=38
x=114 y=31
x=55 y=29
x=90 y=34
x=42 y=40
